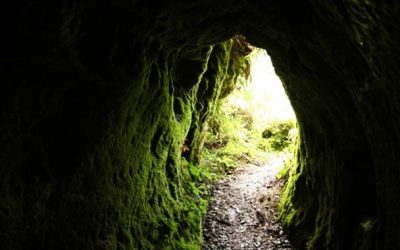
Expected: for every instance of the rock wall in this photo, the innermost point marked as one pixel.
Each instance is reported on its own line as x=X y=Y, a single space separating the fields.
x=95 y=118
x=100 y=100
x=342 y=194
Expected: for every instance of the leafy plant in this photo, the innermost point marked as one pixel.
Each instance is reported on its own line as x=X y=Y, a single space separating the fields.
x=280 y=134
x=236 y=134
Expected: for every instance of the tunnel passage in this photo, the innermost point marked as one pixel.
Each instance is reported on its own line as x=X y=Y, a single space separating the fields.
x=99 y=98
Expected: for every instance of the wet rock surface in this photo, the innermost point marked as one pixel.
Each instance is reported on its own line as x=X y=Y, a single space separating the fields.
x=243 y=211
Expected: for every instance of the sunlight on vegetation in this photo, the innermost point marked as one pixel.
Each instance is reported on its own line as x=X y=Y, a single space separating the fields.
x=254 y=124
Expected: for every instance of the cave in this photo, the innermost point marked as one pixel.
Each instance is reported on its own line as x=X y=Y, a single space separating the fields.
x=99 y=99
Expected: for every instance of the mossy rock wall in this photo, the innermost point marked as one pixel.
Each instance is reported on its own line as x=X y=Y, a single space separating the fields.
x=339 y=65
x=343 y=196
x=98 y=99
x=96 y=114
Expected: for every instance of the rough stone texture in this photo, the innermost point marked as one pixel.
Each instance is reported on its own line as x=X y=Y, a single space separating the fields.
x=97 y=99
x=94 y=117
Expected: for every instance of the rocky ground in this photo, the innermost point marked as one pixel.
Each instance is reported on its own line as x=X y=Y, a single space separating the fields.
x=243 y=211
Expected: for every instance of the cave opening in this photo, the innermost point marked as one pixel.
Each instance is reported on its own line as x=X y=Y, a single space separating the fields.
x=250 y=145
x=255 y=123
x=103 y=104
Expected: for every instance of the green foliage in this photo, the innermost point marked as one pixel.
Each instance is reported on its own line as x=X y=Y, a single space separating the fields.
x=236 y=135
x=233 y=136
x=230 y=140
x=280 y=134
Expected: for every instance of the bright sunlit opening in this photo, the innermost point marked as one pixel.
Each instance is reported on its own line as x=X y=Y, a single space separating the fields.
x=265 y=96
x=256 y=122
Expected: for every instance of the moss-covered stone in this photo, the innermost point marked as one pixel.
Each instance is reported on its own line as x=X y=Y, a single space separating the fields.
x=100 y=101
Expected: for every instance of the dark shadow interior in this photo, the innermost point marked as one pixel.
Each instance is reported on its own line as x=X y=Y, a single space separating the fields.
x=98 y=97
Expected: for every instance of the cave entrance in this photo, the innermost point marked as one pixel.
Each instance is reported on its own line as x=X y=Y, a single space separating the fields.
x=255 y=123
x=249 y=140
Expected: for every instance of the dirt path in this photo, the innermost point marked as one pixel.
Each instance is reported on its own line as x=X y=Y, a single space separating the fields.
x=242 y=213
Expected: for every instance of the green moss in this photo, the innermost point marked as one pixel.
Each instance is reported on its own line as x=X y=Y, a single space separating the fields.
x=156 y=194
x=101 y=101
x=132 y=184
x=290 y=173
